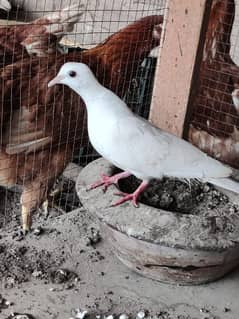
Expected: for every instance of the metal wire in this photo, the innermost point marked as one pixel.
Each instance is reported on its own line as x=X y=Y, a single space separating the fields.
x=215 y=118
x=100 y=19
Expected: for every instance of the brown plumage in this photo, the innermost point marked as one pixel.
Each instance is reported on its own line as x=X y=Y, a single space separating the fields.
x=43 y=127
x=215 y=119
x=40 y=37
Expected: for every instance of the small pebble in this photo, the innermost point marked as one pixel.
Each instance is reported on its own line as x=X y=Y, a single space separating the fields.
x=141 y=315
x=226 y=309
x=37 y=274
x=81 y=314
x=93 y=236
x=37 y=231
x=20 y=316
x=206 y=188
x=204 y=310
x=123 y=316
x=18 y=235
x=8 y=303
x=60 y=276
x=4 y=303
x=110 y=317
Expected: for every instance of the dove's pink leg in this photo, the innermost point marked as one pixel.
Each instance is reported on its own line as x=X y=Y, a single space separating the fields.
x=134 y=196
x=109 y=180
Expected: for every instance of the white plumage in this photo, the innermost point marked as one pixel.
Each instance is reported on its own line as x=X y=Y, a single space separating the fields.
x=132 y=143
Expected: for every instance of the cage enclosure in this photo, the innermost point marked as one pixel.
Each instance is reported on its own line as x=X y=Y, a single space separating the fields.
x=44 y=129
x=196 y=52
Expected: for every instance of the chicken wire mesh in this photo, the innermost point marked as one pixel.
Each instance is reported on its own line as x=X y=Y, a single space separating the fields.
x=214 y=118
x=42 y=129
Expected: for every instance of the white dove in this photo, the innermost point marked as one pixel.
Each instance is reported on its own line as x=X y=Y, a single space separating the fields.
x=132 y=143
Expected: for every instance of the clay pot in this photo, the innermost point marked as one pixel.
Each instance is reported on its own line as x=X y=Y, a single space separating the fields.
x=162 y=245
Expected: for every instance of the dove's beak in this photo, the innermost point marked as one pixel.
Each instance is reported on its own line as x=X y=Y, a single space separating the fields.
x=57 y=80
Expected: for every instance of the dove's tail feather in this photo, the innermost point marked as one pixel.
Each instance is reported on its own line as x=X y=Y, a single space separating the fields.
x=226 y=183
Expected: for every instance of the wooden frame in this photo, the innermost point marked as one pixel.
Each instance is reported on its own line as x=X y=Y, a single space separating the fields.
x=180 y=55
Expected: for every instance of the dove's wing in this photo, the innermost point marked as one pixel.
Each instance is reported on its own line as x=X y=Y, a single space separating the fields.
x=148 y=152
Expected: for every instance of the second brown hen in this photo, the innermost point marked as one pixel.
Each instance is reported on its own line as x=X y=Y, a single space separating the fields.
x=42 y=127
x=40 y=37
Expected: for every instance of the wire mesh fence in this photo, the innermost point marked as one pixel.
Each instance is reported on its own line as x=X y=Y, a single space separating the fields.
x=42 y=129
x=215 y=118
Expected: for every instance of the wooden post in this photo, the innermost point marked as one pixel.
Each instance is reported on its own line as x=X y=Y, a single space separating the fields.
x=181 y=50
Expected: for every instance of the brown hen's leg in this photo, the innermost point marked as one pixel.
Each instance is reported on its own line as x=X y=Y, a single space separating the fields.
x=35 y=195
x=45 y=206
x=26 y=219
x=35 y=192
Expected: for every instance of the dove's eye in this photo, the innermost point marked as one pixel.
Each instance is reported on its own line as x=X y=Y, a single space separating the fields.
x=72 y=74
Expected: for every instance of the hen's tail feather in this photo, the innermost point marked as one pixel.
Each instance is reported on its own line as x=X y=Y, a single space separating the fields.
x=55 y=26
x=226 y=183
x=66 y=16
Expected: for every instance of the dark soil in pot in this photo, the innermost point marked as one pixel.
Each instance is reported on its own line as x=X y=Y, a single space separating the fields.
x=185 y=197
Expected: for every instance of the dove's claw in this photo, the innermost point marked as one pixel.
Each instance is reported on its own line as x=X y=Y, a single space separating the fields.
x=106 y=181
x=126 y=197
x=103 y=181
x=133 y=197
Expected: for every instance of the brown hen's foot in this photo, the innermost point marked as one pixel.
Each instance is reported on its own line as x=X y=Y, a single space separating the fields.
x=45 y=206
x=133 y=197
x=26 y=219
x=57 y=188
x=106 y=181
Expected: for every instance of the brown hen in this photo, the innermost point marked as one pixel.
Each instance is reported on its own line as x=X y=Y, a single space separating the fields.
x=43 y=127
x=214 y=120
x=40 y=37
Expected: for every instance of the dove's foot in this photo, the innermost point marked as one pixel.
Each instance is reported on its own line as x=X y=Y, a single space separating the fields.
x=126 y=197
x=106 y=181
x=133 y=197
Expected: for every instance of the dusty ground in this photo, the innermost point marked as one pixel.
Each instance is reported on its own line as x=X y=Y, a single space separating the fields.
x=63 y=266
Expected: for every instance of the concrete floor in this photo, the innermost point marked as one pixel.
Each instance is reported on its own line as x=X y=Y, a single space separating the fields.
x=119 y=289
